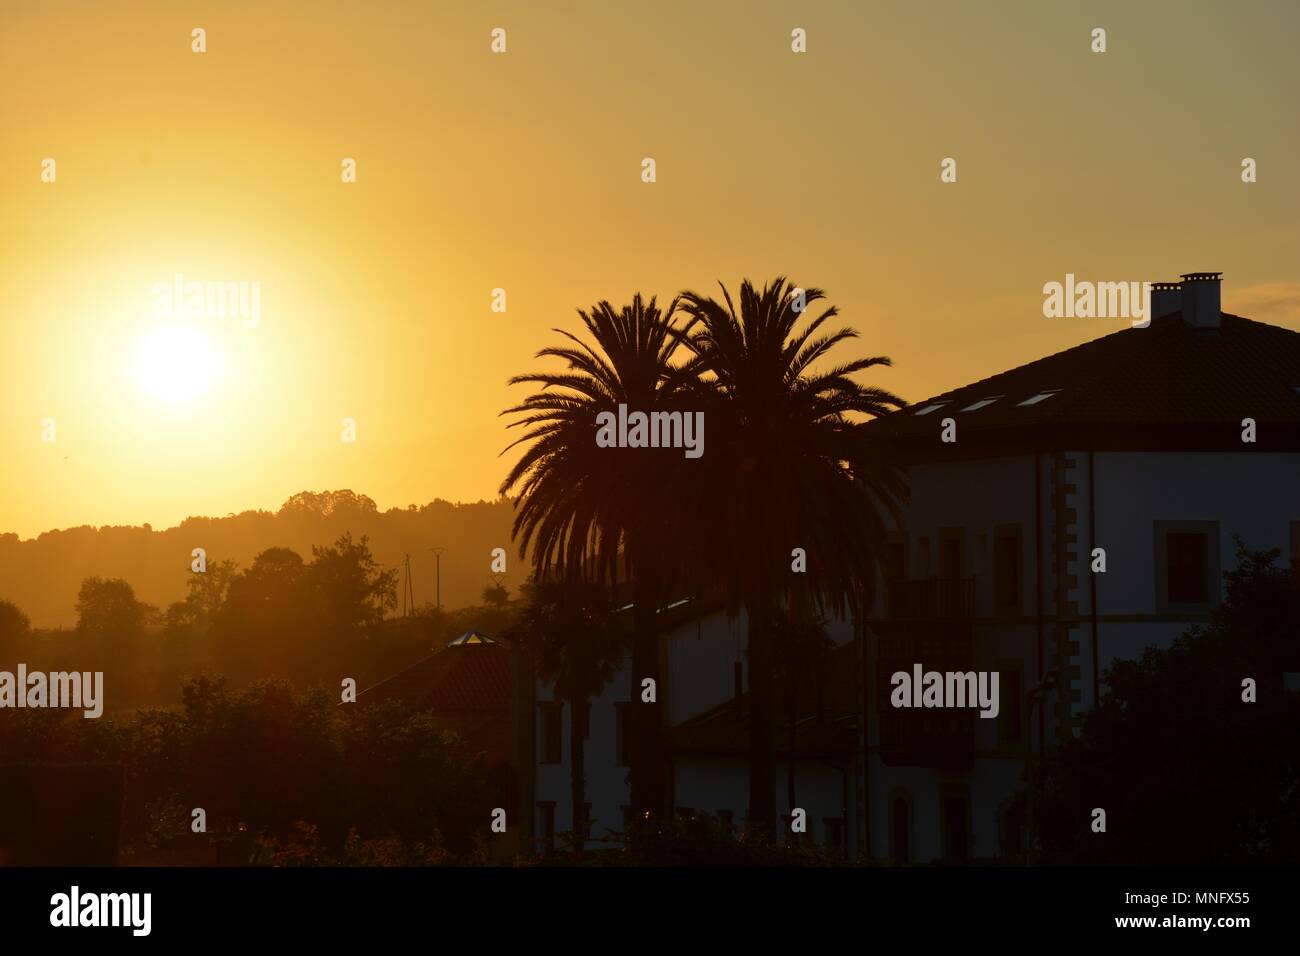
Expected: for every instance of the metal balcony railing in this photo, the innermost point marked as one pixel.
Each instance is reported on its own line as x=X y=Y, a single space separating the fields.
x=938 y=598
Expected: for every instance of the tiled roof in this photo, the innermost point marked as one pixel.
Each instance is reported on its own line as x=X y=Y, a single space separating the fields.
x=466 y=686
x=719 y=731
x=1168 y=375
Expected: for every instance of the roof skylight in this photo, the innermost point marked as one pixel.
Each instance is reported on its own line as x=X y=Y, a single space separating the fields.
x=1040 y=397
x=982 y=403
x=929 y=408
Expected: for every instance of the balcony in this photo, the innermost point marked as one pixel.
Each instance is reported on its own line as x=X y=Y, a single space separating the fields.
x=940 y=599
x=939 y=739
x=924 y=737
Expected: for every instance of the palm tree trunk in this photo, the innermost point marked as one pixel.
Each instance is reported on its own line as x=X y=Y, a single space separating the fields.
x=648 y=757
x=762 y=737
x=578 y=770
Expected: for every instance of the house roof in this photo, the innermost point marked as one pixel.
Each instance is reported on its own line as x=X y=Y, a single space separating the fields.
x=832 y=734
x=465 y=685
x=1183 y=385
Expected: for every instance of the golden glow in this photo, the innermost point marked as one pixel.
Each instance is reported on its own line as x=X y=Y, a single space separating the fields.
x=523 y=171
x=176 y=363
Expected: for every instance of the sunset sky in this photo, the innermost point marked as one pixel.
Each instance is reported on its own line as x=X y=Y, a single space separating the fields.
x=523 y=171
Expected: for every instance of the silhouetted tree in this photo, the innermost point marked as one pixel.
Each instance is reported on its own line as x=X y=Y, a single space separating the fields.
x=569 y=629
x=347 y=586
x=496 y=595
x=1187 y=771
x=793 y=466
x=267 y=616
x=802 y=649
x=15 y=628
x=207 y=593
x=583 y=508
x=109 y=609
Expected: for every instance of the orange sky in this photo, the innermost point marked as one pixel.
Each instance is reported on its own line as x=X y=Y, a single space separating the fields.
x=522 y=171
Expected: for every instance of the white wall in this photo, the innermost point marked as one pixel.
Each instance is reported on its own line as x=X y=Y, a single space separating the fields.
x=700 y=676
x=1255 y=495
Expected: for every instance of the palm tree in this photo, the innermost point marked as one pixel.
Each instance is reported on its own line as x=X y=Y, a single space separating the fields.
x=793 y=467
x=801 y=648
x=568 y=628
x=605 y=512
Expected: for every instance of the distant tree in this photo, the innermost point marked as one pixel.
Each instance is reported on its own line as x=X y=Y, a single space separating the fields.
x=496 y=595
x=265 y=622
x=108 y=608
x=1186 y=770
x=348 y=587
x=569 y=629
x=322 y=504
x=207 y=593
x=285 y=618
x=14 y=623
x=15 y=628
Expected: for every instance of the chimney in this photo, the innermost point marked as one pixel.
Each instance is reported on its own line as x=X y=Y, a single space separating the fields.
x=1166 y=297
x=1201 y=299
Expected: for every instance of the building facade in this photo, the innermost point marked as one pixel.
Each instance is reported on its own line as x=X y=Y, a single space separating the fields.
x=1063 y=514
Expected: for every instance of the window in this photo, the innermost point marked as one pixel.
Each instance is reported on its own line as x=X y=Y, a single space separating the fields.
x=956 y=826
x=546 y=824
x=1010 y=723
x=982 y=403
x=622 y=735
x=1040 y=397
x=1187 y=552
x=950 y=555
x=1006 y=570
x=929 y=408
x=900 y=830
x=894 y=564
x=550 y=714
x=1187 y=566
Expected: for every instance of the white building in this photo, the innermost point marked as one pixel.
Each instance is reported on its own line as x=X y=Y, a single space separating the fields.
x=1131 y=444
x=704 y=699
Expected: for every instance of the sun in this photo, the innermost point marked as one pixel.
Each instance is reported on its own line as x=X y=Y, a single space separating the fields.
x=176 y=363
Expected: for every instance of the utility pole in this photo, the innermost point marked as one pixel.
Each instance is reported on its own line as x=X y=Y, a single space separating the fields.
x=438 y=553
x=408 y=588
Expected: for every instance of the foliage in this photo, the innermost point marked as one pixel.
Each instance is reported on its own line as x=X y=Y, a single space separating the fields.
x=1186 y=771
x=263 y=760
x=108 y=608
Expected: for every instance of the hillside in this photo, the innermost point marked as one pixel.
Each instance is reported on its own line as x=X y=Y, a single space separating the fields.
x=42 y=575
